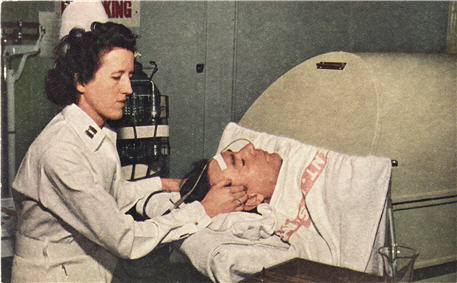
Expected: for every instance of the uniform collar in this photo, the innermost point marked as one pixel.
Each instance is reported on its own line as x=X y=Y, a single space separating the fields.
x=86 y=128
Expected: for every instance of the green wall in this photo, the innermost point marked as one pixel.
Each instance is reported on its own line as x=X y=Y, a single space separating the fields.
x=245 y=46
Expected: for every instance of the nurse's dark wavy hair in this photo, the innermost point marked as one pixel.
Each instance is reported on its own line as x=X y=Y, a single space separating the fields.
x=78 y=57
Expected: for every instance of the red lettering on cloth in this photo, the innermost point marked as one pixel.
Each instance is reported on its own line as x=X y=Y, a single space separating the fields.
x=308 y=179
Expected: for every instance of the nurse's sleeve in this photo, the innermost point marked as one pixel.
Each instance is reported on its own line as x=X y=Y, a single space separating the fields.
x=132 y=192
x=71 y=192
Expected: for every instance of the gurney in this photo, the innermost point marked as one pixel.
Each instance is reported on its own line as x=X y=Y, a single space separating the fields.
x=326 y=207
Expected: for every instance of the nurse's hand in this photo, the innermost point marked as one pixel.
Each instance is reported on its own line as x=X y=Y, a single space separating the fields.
x=170 y=185
x=223 y=198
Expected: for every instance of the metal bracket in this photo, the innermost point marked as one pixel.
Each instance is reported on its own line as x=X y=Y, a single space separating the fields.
x=331 y=65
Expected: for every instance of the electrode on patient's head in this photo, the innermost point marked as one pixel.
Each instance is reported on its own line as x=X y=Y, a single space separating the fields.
x=235 y=145
x=220 y=160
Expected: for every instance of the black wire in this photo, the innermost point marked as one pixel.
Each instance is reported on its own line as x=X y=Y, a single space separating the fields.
x=154 y=138
x=147 y=200
x=154 y=143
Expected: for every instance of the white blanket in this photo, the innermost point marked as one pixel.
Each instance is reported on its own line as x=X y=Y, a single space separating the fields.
x=327 y=207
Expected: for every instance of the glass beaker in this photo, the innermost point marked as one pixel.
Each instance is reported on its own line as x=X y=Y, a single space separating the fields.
x=398 y=263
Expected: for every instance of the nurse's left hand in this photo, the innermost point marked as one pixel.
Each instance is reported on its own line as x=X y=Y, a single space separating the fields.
x=170 y=185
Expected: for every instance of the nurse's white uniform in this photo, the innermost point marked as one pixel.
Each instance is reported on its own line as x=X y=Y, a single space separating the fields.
x=71 y=202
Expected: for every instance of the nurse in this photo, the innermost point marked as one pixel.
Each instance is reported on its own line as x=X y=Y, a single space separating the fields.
x=70 y=197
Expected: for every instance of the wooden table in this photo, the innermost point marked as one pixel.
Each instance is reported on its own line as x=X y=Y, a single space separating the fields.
x=302 y=270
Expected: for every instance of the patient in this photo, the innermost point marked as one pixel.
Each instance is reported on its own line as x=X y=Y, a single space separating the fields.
x=310 y=202
x=253 y=168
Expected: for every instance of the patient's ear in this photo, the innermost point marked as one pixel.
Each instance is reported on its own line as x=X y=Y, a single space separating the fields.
x=253 y=201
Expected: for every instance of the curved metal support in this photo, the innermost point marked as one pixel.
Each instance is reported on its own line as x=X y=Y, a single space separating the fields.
x=390 y=218
x=11 y=76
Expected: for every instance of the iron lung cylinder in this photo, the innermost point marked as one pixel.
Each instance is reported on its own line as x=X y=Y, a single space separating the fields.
x=401 y=106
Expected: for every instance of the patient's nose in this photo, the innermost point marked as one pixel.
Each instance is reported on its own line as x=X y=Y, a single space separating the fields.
x=248 y=149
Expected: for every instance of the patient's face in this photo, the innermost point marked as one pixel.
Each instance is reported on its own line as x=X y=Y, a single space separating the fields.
x=253 y=168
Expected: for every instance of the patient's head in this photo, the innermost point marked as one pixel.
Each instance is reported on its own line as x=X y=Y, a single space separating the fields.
x=253 y=168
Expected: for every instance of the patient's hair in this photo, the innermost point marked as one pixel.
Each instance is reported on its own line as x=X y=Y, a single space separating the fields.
x=203 y=185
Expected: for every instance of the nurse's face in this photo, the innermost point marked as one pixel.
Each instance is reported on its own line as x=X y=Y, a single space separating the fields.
x=104 y=96
x=253 y=168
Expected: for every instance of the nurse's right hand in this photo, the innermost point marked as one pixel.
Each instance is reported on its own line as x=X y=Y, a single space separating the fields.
x=223 y=198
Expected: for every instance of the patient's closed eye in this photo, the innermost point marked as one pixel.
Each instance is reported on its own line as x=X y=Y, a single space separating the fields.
x=239 y=161
x=236 y=160
x=232 y=158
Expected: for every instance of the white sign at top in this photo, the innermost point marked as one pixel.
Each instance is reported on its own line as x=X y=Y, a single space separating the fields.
x=126 y=12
